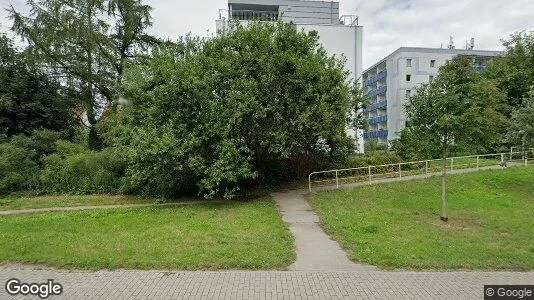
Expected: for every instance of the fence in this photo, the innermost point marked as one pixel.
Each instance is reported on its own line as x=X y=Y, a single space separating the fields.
x=372 y=174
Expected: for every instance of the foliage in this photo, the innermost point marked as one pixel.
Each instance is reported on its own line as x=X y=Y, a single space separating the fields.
x=373 y=145
x=393 y=225
x=18 y=168
x=521 y=129
x=73 y=169
x=222 y=112
x=414 y=145
x=29 y=99
x=218 y=235
x=374 y=158
x=513 y=72
x=87 y=44
x=458 y=110
x=43 y=142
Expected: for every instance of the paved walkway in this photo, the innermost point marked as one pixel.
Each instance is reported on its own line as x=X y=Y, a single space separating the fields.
x=123 y=284
x=316 y=251
x=93 y=207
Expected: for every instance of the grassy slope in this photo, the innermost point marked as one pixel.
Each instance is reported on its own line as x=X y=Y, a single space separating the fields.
x=397 y=225
x=248 y=235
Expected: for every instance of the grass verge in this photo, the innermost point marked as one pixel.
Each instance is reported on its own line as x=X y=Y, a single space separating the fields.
x=240 y=235
x=396 y=225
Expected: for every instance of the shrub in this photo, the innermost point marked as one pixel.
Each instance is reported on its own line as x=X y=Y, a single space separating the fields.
x=74 y=169
x=18 y=168
x=373 y=159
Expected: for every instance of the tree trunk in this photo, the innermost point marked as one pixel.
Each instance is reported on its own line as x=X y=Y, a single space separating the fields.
x=444 y=216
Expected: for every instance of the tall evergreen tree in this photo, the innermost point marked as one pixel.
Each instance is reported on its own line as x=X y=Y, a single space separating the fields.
x=87 y=44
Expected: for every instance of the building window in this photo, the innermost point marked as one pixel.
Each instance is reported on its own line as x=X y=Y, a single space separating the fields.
x=409 y=62
x=408 y=93
x=433 y=63
x=408 y=77
x=431 y=77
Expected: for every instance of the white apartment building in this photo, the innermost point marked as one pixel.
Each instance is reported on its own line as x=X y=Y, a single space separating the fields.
x=391 y=81
x=340 y=35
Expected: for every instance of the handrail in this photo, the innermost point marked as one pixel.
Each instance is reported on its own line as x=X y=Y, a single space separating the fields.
x=503 y=156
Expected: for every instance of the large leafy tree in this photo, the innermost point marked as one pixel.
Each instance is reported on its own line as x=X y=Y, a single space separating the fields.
x=29 y=99
x=514 y=70
x=225 y=111
x=457 y=109
x=87 y=44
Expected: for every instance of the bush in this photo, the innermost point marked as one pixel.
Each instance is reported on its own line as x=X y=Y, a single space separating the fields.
x=251 y=105
x=373 y=159
x=75 y=170
x=18 y=168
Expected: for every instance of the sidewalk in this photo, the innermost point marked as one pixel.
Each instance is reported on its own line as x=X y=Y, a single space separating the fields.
x=122 y=284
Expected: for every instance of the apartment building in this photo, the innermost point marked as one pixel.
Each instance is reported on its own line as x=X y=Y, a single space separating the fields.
x=340 y=35
x=392 y=80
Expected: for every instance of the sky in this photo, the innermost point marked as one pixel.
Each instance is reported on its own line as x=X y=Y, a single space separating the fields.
x=387 y=24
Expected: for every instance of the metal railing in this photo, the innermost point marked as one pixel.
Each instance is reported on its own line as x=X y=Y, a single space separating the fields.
x=349 y=20
x=372 y=174
x=376 y=105
x=381 y=75
x=248 y=15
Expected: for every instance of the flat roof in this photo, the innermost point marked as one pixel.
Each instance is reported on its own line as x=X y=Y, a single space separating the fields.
x=489 y=53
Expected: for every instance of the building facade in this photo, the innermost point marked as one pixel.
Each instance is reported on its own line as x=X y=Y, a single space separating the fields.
x=391 y=81
x=340 y=35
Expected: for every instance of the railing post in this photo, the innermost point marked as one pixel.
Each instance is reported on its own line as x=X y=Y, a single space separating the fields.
x=452 y=163
x=337 y=181
x=478 y=163
x=502 y=160
x=309 y=181
x=400 y=171
x=426 y=167
x=370 y=175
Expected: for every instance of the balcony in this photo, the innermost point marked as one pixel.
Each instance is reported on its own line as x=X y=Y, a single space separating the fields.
x=379 y=91
x=375 y=106
x=381 y=75
x=376 y=120
x=375 y=134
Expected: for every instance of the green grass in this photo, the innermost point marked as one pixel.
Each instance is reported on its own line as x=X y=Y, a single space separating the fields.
x=15 y=203
x=396 y=225
x=230 y=235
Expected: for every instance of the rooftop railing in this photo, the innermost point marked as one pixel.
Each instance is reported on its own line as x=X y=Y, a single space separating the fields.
x=248 y=15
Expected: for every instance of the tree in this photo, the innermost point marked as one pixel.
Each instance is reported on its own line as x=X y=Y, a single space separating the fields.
x=87 y=44
x=221 y=113
x=521 y=130
x=458 y=108
x=29 y=100
x=513 y=71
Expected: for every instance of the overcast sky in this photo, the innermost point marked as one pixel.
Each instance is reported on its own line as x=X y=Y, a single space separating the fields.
x=388 y=24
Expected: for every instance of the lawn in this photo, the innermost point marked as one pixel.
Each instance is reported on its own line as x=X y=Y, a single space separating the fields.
x=229 y=235
x=14 y=202
x=396 y=225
